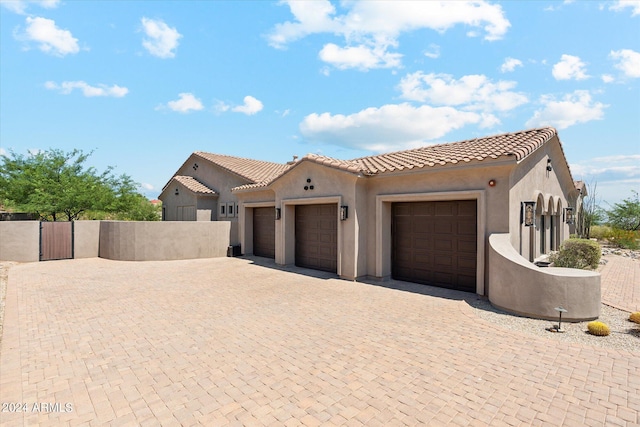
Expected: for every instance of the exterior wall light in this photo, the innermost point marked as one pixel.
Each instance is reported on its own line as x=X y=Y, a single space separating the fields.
x=492 y=183
x=344 y=212
x=568 y=215
x=278 y=213
x=177 y=192
x=528 y=214
x=549 y=165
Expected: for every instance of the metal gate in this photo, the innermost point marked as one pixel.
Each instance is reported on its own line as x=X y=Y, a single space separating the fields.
x=56 y=240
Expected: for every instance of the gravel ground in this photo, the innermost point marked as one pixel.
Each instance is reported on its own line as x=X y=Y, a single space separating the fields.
x=624 y=335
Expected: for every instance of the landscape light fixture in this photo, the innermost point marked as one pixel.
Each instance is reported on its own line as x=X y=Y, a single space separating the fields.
x=560 y=310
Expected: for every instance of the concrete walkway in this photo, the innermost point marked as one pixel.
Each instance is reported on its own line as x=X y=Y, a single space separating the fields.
x=620 y=278
x=228 y=342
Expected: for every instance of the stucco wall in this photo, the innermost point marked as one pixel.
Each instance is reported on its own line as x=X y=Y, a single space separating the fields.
x=20 y=241
x=530 y=181
x=520 y=287
x=470 y=181
x=158 y=241
x=329 y=186
x=86 y=239
x=246 y=202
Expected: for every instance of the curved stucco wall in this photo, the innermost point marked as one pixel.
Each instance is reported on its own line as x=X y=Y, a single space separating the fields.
x=520 y=287
x=166 y=240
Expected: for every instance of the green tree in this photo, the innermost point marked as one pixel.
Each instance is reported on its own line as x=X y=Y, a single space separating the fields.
x=57 y=184
x=626 y=215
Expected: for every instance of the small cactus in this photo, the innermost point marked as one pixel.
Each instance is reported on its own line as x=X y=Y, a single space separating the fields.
x=635 y=317
x=598 y=328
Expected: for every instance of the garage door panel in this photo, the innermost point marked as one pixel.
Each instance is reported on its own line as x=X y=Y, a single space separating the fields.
x=443 y=226
x=435 y=243
x=420 y=223
x=466 y=228
x=467 y=208
x=467 y=247
x=422 y=243
x=444 y=208
x=466 y=263
x=421 y=259
x=264 y=232
x=316 y=232
x=443 y=245
x=420 y=209
x=443 y=261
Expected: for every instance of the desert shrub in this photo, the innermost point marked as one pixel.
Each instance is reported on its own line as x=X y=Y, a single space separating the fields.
x=601 y=232
x=598 y=328
x=635 y=317
x=577 y=253
x=626 y=239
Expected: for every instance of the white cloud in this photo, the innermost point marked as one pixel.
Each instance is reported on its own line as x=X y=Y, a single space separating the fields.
x=510 y=65
x=88 y=90
x=50 y=38
x=221 y=107
x=574 y=108
x=361 y=57
x=615 y=176
x=434 y=53
x=621 y=5
x=162 y=40
x=390 y=127
x=371 y=28
x=186 y=103
x=628 y=62
x=569 y=67
x=473 y=92
x=3 y=152
x=147 y=186
x=20 y=6
x=607 y=78
x=251 y=106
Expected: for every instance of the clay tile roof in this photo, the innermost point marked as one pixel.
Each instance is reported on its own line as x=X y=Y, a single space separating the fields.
x=346 y=165
x=517 y=144
x=194 y=185
x=255 y=171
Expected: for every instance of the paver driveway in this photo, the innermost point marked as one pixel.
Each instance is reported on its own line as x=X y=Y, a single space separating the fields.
x=226 y=341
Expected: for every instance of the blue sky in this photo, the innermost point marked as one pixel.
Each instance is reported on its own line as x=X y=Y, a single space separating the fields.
x=146 y=83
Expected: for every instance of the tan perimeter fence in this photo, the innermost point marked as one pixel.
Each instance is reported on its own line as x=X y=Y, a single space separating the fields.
x=22 y=241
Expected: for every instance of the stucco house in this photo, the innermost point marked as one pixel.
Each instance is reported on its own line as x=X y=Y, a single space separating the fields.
x=453 y=215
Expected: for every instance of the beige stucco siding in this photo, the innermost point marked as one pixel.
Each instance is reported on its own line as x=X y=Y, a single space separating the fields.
x=329 y=186
x=214 y=177
x=553 y=190
x=446 y=183
x=247 y=201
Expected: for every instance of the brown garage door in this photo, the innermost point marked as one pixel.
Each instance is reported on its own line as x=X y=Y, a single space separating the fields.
x=264 y=232
x=435 y=243
x=317 y=237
